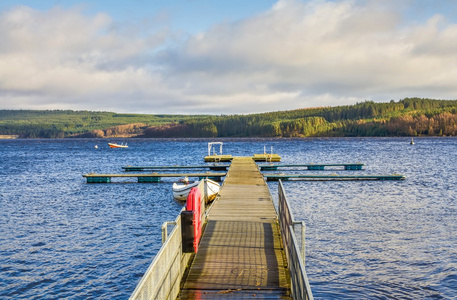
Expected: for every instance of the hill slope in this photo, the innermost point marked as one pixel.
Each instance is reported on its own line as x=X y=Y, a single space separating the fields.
x=68 y=123
x=407 y=117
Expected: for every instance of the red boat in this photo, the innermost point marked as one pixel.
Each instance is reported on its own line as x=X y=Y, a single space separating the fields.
x=114 y=145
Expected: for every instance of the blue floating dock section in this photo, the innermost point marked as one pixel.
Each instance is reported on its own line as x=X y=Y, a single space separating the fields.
x=221 y=167
x=150 y=178
x=156 y=177
x=276 y=177
x=314 y=167
x=143 y=179
x=263 y=167
x=98 y=179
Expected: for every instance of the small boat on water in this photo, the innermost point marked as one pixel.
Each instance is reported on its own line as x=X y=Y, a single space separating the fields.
x=412 y=142
x=114 y=145
x=181 y=190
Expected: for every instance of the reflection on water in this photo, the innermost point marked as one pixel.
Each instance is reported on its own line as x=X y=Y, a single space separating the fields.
x=63 y=238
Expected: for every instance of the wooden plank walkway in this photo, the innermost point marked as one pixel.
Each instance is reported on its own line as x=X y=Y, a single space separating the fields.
x=257 y=157
x=240 y=254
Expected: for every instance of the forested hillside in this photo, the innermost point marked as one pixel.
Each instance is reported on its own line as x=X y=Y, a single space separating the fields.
x=68 y=123
x=407 y=117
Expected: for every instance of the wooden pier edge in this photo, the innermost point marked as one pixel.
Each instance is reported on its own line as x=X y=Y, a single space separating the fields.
x=241 y=253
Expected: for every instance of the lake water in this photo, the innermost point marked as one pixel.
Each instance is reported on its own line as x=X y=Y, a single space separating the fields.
x=63 y=238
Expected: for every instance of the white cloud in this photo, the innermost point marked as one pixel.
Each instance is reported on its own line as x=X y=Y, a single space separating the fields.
x=321 y=49
x=63 y=57
x=297 y=54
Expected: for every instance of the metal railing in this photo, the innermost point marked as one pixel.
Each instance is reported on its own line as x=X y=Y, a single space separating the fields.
x=295 y=258
x=161 y=280
x=163 y=277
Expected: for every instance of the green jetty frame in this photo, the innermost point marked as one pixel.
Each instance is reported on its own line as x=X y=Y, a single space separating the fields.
x=284 y=177
x=150 y=178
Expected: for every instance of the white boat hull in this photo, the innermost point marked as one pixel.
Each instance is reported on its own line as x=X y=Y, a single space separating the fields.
x=114 y=145
x=181 y=191
x=212 y=189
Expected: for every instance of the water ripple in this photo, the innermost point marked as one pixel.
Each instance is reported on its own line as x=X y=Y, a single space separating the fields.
x=65 y=239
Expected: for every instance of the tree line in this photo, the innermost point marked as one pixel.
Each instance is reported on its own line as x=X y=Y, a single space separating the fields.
x=69 y=123
x=407 y=117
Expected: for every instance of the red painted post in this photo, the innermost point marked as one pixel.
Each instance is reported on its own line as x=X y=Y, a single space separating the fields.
x=193 y=204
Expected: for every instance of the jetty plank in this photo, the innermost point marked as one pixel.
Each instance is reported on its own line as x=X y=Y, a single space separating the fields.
x=218 y=158
x=256 y=157
x=240 y=255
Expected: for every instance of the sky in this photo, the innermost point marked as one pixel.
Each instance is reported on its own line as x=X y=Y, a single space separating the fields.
x=224 y=57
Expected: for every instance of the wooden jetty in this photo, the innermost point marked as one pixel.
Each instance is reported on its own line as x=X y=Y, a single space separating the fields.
x=276 y=177
x=255 y=157
x=240 y=255
x=247 y=250
x=149 y=177
x=347 y=166
x=219 y=167
x=218 y=158
x=267 y=157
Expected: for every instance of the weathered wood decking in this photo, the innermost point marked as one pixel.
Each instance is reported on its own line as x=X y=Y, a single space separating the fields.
x=257 y=157
x=240 y=254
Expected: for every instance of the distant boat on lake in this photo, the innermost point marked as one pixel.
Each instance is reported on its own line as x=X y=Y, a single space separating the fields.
x=114 y=145
x=412 y=141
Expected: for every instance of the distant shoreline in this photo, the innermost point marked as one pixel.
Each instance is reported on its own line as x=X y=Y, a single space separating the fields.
x=8 y=137
x=13 y=137
x=408 y=117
